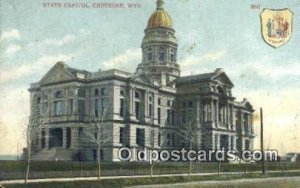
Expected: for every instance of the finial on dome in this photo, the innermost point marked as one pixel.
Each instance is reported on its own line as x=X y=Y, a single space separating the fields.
x=160 y=4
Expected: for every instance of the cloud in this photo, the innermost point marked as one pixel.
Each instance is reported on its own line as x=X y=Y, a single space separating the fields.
x=281 y=118
x=12 y=49
x=14 y=110
x=15 y=72
x=127 y=61
x=59 y=42
x=11 y=34
x=209 y=57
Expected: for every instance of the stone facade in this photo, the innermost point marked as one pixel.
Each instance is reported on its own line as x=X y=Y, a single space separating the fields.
x=140 y=110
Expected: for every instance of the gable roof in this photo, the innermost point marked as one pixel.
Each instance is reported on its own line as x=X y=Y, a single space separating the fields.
x=61 y=72
x=212 y=76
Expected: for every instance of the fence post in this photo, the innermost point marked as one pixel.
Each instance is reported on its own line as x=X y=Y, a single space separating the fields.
x=219 y=167
x=245 y=169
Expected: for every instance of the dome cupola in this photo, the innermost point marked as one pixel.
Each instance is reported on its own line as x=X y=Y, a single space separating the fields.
x=160 y=18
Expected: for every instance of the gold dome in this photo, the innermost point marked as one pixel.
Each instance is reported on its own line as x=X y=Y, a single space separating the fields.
x=160 y=18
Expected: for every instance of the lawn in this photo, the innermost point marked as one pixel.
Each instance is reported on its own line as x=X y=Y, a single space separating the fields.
x=121 y=183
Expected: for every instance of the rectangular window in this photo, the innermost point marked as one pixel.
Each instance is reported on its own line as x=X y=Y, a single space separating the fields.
x=70 y=106
x=173 y=139
x=140 y=137
x=152 y=134
x=96 y=108
x=122 y=109
x=137 y=110
x=150 y=110
x=158 y=116
x=58 y=108
x=169 y=118
x=122 y=135
x=159 y=139
x=173 y=117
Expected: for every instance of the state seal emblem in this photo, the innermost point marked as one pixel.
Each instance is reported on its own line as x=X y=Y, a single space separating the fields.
x=276 y=26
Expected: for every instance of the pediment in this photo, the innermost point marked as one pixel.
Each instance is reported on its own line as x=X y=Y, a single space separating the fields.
x=142 y=78
x=57 y=74
x=223 y=78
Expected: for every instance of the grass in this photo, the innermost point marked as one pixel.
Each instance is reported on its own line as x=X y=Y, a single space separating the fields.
x=120 y=183
x=52 y=169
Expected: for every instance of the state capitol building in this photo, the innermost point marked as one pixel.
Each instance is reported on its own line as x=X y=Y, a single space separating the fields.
x=144 y=109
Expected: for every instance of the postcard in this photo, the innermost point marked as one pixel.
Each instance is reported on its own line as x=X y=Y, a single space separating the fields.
x=120 y=93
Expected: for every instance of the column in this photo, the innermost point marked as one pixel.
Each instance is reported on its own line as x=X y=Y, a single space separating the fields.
x=146 y=106
x=212 y=110
x=130 y=101
x=217 y=111
x=234 y=142
x=229 y=142
x=64 y=143
x=74 y=137
x=47 y=138
x=217 y=140
x=39 y=135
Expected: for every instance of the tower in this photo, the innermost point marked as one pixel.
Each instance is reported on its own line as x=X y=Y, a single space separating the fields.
x=159 y=48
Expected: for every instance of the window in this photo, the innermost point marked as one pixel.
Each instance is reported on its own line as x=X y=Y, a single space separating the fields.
x=173 y=139
x=158 y=116
x=140 y=136
x=68 y=144
x=169 y=118
x=138 y=107
x=58 y=94
x=137 y=110
x=122 y=109
x=96 y=107
x=122 y=135
x=169 y=103
x=183 y=104
x=159 y=139
x=152 y=134
x=45 y=106
x=150 y=54
x=70 y=106
x=168 y=139
x=58 y=108
x=97 y=92
x=43 y=138
x=150 y=107
x=172 y=55
x=162 y=52
x=103 y=91
x=159 y=101
x=173 y=117
x=190 y=104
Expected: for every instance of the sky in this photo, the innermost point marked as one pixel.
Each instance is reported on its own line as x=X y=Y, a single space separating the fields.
x=211 y=34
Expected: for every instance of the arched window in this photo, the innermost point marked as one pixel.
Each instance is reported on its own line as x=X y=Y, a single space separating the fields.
x=162 y=52
x=58 y=94
x=150 y=54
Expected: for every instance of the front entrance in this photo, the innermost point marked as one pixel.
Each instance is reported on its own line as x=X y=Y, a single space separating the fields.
x=55 y=137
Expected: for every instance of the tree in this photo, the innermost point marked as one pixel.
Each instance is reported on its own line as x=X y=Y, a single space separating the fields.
x=97 y=132
x=189 y=132
x=34 y=126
